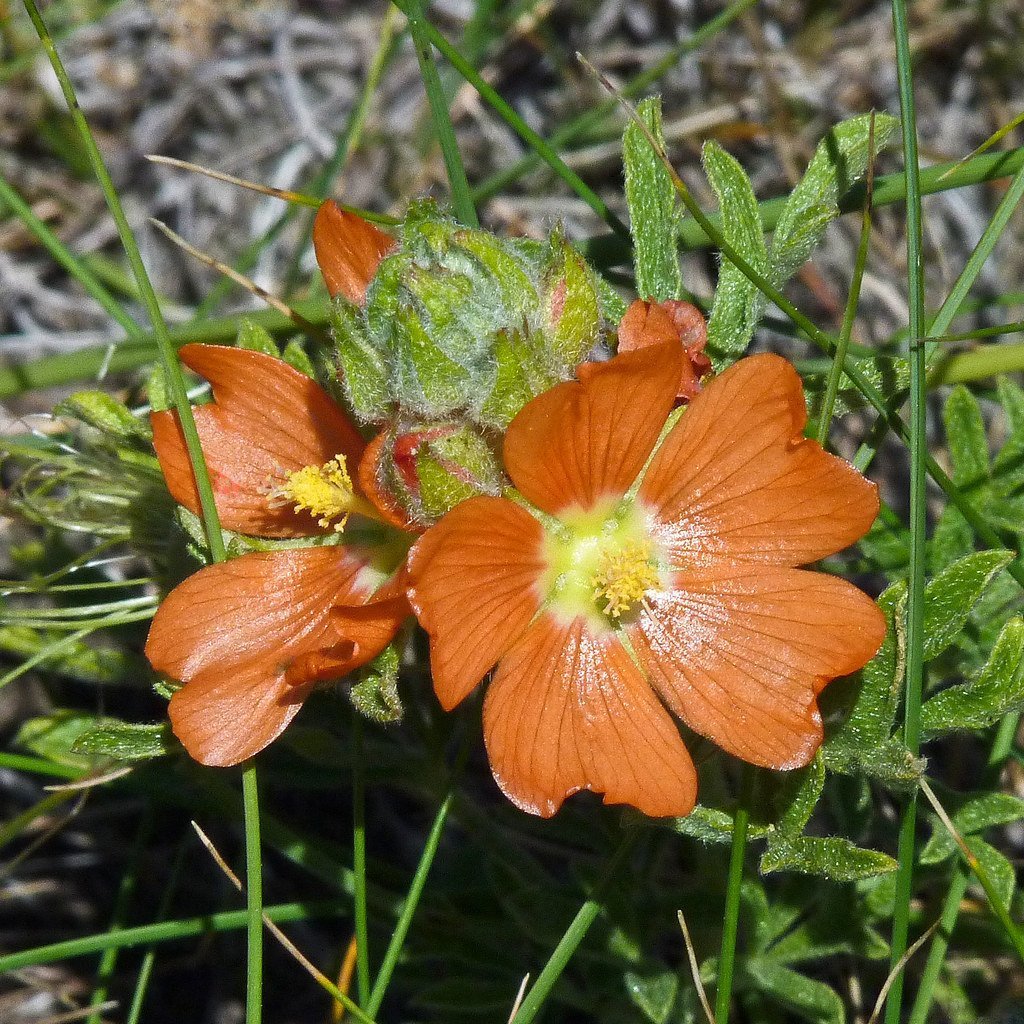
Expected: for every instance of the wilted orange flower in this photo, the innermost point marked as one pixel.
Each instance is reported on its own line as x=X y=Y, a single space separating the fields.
x=610 y=582
x=652 y=323
x=251 y=636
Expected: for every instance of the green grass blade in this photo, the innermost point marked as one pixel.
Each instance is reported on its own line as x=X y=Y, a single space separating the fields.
x=591 y=119
x=574 y=935
x=462 y=198
x=167 y=931
x=172 y=368
x=409 y=905
x=918 y=504
x=513 y=120
x=731 y=916
x=359 y=860
x=253 y=897
x=69 y=261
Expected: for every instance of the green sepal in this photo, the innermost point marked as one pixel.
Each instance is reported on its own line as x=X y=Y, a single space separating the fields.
x=374 y=694
x=522 y=374
x=296 y=356
x=569 y=303
x=997 y=690
x=505 y=269
x=255 y=337
x=738 y=302
x=126 y=741
x=104 y=413
x=457 y=465
x=429 y=383
x=651 y=198
x=363 y=366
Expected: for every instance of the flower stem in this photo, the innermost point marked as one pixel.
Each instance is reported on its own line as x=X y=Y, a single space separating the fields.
x=730 y=921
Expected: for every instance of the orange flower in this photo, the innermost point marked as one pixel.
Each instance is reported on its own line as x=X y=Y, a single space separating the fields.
x=251 y=636
x=619 y=581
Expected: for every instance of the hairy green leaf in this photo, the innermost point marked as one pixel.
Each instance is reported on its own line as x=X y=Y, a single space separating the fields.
x=804 y=997
x=840 y=160
x=652 y=202
x=256 y=338
x=738 y=302
x=830 y=857
x=125 y=741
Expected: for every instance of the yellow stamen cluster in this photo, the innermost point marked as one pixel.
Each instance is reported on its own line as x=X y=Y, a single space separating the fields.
x=623 y=575
x=323 y=491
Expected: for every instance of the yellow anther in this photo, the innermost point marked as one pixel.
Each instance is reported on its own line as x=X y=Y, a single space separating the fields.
x=623 y=575
x=323 y=491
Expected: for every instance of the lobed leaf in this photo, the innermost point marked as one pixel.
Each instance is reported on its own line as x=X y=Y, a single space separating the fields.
x=126 y=741
x=830 y=857
x=652 y=208
x=738 y=302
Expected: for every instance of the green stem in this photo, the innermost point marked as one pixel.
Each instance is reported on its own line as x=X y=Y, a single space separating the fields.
x=574 y=935
x=253 y=897
x=513 y=120
x=918 y=504
x=359 y=860
x=462 y=198
x=172 y=368
x=394 y=950
x=730 y=920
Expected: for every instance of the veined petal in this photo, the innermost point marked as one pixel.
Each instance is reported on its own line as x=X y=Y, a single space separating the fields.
x=267 y=419
x=567 y=711
x=473 y=583
x=740 y=654
x=589 y=439
x=736 y=480
x=348 y=250
x=652 y=323
x=235 y=634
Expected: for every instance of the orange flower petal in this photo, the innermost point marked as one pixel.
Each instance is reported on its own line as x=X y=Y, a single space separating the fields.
x=369 y=476
x=652 y=323
x=473 y=585
x=348 y=250
x=736 y=480
x=740 y=654
x=588 y=439
x=234 y=632
x=267 y=419
x=569 y=711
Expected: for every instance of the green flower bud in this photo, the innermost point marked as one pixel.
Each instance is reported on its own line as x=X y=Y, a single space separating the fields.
x=461 y=325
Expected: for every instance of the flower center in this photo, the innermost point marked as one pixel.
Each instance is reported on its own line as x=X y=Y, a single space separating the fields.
x=323 y=491
x=601 y=565
x=623 y=575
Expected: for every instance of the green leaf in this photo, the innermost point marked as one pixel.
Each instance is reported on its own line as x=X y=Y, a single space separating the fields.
x=655 y=995
x=840 y=160
x=126 y=741
x=804 y=997
x=157 y=391
x=870 y=721
x=997 y=689
x=966 y=437
x=256 y=338
x=652 y=202
x=710 y=825
x=106 y=414
x=975 y=814
x=831 y=857
x=1001 y=873
x=295 y=356
x=950 y=596
x=53 y=736
x=738 y=302
x=800 y=796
